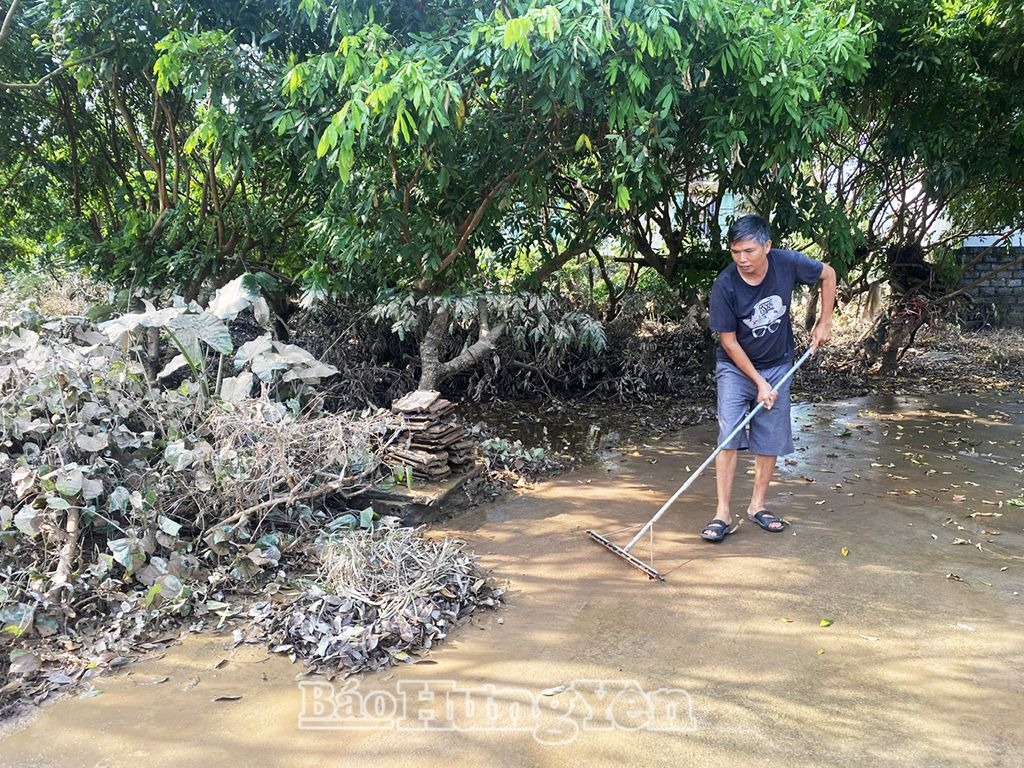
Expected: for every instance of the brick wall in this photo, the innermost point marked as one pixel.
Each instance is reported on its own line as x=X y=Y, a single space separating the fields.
x=998 y=301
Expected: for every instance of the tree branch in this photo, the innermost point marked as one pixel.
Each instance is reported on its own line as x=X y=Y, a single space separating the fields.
x=642 y=242
x=974 y=284
x=44 y=80
x=129 y=121
x=14 y=174
x=473 y=222
x=68 y=553
x=5 y=30
x=474 y=353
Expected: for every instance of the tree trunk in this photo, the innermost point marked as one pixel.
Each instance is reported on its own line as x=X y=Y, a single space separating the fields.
x=811 y=317
x=891 y=349
x=900 y=335
x=889 y=336
x=433 y=370
x=151 y=359
x=430 y=351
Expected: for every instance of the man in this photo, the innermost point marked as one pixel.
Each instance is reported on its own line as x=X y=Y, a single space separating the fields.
x=750 y=311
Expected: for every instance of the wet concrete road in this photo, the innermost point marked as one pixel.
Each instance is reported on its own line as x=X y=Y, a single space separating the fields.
x=725 y=664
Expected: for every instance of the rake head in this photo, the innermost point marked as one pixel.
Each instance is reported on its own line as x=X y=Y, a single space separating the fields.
x=640 y=565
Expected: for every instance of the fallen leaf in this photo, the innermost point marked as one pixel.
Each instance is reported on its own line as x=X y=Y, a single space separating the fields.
x=151 y=680
x=821 y=651
x=788 y=621
x=844 y=551
x=953 y=577
x=825 y=623
x=227 y=697
x=24 y=663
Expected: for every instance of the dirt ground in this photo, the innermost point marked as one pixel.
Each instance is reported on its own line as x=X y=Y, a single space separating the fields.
x=726 y=663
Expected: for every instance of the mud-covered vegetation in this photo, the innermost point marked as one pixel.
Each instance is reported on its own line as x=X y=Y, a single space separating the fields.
x=129 y=504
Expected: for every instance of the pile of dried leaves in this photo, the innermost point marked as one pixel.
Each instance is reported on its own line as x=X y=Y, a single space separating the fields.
x=384 y=594
x=276 y=470
x=944 y=359
x=129 y=507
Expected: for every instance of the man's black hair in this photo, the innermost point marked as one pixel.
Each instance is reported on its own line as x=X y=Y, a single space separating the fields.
x=750 y=227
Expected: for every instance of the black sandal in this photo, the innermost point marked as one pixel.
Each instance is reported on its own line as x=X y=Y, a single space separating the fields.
x=716 y=530
x=764 y=518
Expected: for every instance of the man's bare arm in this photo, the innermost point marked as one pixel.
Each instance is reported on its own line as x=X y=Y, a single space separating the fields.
x=823 y=328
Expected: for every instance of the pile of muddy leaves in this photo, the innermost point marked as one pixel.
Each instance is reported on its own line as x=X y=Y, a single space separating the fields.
x=944 y=359
x=132 y=508
x=383 y=596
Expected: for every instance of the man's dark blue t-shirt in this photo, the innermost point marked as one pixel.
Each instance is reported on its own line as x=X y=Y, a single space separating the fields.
x=759 y=314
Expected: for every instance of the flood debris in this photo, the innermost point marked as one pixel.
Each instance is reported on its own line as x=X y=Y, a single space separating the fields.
x=384 y=596
x=133 y=509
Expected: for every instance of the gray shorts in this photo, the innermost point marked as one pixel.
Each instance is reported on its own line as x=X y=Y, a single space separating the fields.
x=771 y=432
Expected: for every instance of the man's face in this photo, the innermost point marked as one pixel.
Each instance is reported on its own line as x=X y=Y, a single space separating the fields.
x=750 y=256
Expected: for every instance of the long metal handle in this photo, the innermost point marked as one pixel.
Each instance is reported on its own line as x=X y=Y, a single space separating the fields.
x=717 y=451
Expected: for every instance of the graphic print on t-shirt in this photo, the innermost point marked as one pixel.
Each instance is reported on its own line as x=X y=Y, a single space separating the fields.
x=767 y=316
x=759 y=314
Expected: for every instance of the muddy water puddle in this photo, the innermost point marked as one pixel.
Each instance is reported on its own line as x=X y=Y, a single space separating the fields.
x=584 y=434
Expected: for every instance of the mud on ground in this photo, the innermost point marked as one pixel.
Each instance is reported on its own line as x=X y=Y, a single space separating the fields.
x=883 y=627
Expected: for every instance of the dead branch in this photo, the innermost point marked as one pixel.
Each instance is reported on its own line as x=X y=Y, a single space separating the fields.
x=68 y=552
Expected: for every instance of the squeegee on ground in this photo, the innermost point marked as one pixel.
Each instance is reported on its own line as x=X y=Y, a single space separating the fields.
x=626 y=552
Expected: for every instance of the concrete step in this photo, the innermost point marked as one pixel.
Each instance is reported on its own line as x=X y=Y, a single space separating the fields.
x=426 y=501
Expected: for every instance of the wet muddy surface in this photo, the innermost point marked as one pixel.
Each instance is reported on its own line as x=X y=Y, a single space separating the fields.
x=884 y=626
x=579 y=434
